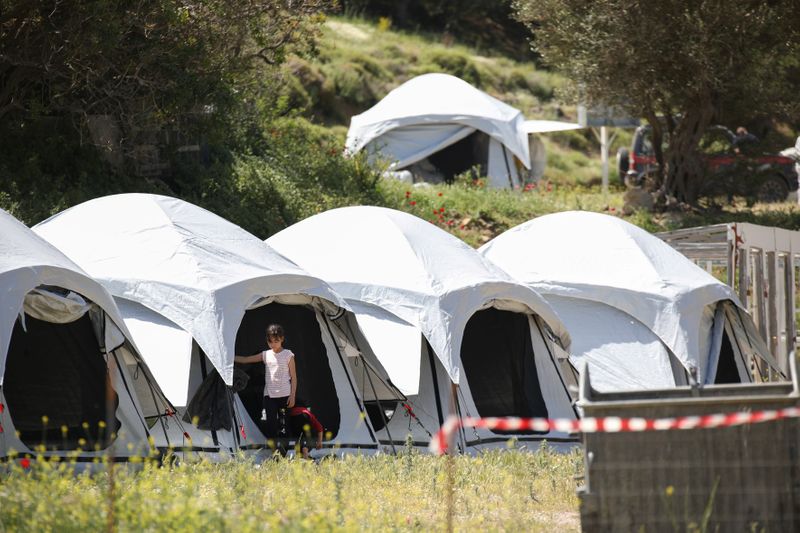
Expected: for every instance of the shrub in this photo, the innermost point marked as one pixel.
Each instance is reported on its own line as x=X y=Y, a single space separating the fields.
x=458 y=64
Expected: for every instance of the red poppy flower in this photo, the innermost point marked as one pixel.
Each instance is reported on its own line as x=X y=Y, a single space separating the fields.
x=441 y=209
x=462 y=226
x=412 y=202
x=25 y=463
x=435 y=212
x=612 y=209
x=408 y=194
x=439 y=194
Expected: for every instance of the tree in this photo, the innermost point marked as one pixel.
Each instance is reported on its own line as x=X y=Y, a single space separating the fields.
x=147 y=64
x=680 y=65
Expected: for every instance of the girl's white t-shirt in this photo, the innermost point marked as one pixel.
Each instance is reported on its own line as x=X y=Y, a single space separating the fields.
x=277 y=381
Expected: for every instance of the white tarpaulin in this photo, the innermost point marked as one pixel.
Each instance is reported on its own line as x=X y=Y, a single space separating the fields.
x=191 y=266
x=604 y=259
x=411 y=269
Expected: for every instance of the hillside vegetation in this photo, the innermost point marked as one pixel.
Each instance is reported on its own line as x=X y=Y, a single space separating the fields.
x=281 y=160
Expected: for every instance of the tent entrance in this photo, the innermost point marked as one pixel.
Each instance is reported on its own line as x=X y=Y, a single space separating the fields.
x=58 y=371
x=727 y=370
x=500 y=367
x=472 y=150
x=315 y=385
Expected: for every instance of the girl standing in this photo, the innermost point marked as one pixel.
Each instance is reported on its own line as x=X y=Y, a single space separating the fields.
x=280 y=380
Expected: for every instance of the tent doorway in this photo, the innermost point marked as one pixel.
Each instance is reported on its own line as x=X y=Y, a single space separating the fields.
x=499 y=364
x=315 y=385
x=469 y=152
x=57 y=371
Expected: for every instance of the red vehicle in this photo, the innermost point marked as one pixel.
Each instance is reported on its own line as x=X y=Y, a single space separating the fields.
x=734 y=168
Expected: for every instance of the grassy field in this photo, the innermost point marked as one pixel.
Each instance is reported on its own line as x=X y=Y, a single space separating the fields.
x=500 y=490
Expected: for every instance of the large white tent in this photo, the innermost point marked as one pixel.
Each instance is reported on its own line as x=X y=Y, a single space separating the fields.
x=70 y=376
x=197 y=289
x=429 y=113
x=641 y=314
x=437 y=314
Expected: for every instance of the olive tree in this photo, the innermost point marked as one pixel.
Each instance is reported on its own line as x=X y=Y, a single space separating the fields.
x=680 y=65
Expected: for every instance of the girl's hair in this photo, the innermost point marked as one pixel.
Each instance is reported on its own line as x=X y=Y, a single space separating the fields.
x=274 y=330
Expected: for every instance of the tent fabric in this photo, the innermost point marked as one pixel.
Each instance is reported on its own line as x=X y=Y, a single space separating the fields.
x=405 y=146
x=436 y=99
x=410 y=268
x=52 y=307
x=211 y=405
x=75 y=336
x=395 y=339
x=603 y=259
x=191 y=266
x=166 y=347
x=621 y=352
x=28 y=262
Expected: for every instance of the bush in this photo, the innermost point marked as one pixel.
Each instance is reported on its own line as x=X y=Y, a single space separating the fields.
x=296 y=170
x=456 y=63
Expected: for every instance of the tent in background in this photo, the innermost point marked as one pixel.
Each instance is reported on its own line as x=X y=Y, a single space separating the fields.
x=195 y=289
x=71 y=379
x=437 y=315
x=437 y=126
x=640 y=314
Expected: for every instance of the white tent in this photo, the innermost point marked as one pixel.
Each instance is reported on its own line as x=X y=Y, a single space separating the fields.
x=434 y=311
x=432 y=112
x=194 y=289
x=640 y=313
x=69 y=373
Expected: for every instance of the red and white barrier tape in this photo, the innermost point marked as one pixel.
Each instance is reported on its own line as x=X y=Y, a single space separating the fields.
x=610 y=424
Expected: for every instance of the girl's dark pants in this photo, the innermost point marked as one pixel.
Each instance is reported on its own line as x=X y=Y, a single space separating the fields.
x=277 y=416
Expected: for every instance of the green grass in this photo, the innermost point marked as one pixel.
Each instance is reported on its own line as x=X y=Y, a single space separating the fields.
x=501 y=490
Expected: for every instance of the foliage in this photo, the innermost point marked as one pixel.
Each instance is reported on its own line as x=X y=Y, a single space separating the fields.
x=691 y=63
x=358 y=64
x=153 y=61
x=495 y=490
x=296 y=170
x=487 y=26
x=121 y=79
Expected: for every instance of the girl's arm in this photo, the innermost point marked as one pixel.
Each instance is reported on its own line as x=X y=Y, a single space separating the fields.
x=255 y=358
x=293 y=378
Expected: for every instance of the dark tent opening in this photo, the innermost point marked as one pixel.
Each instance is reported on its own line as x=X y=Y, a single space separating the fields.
x=380 y=412
x=499 y=365
x=472 y=150
x=58 y=371
x=727 y=371
x=315 y=386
